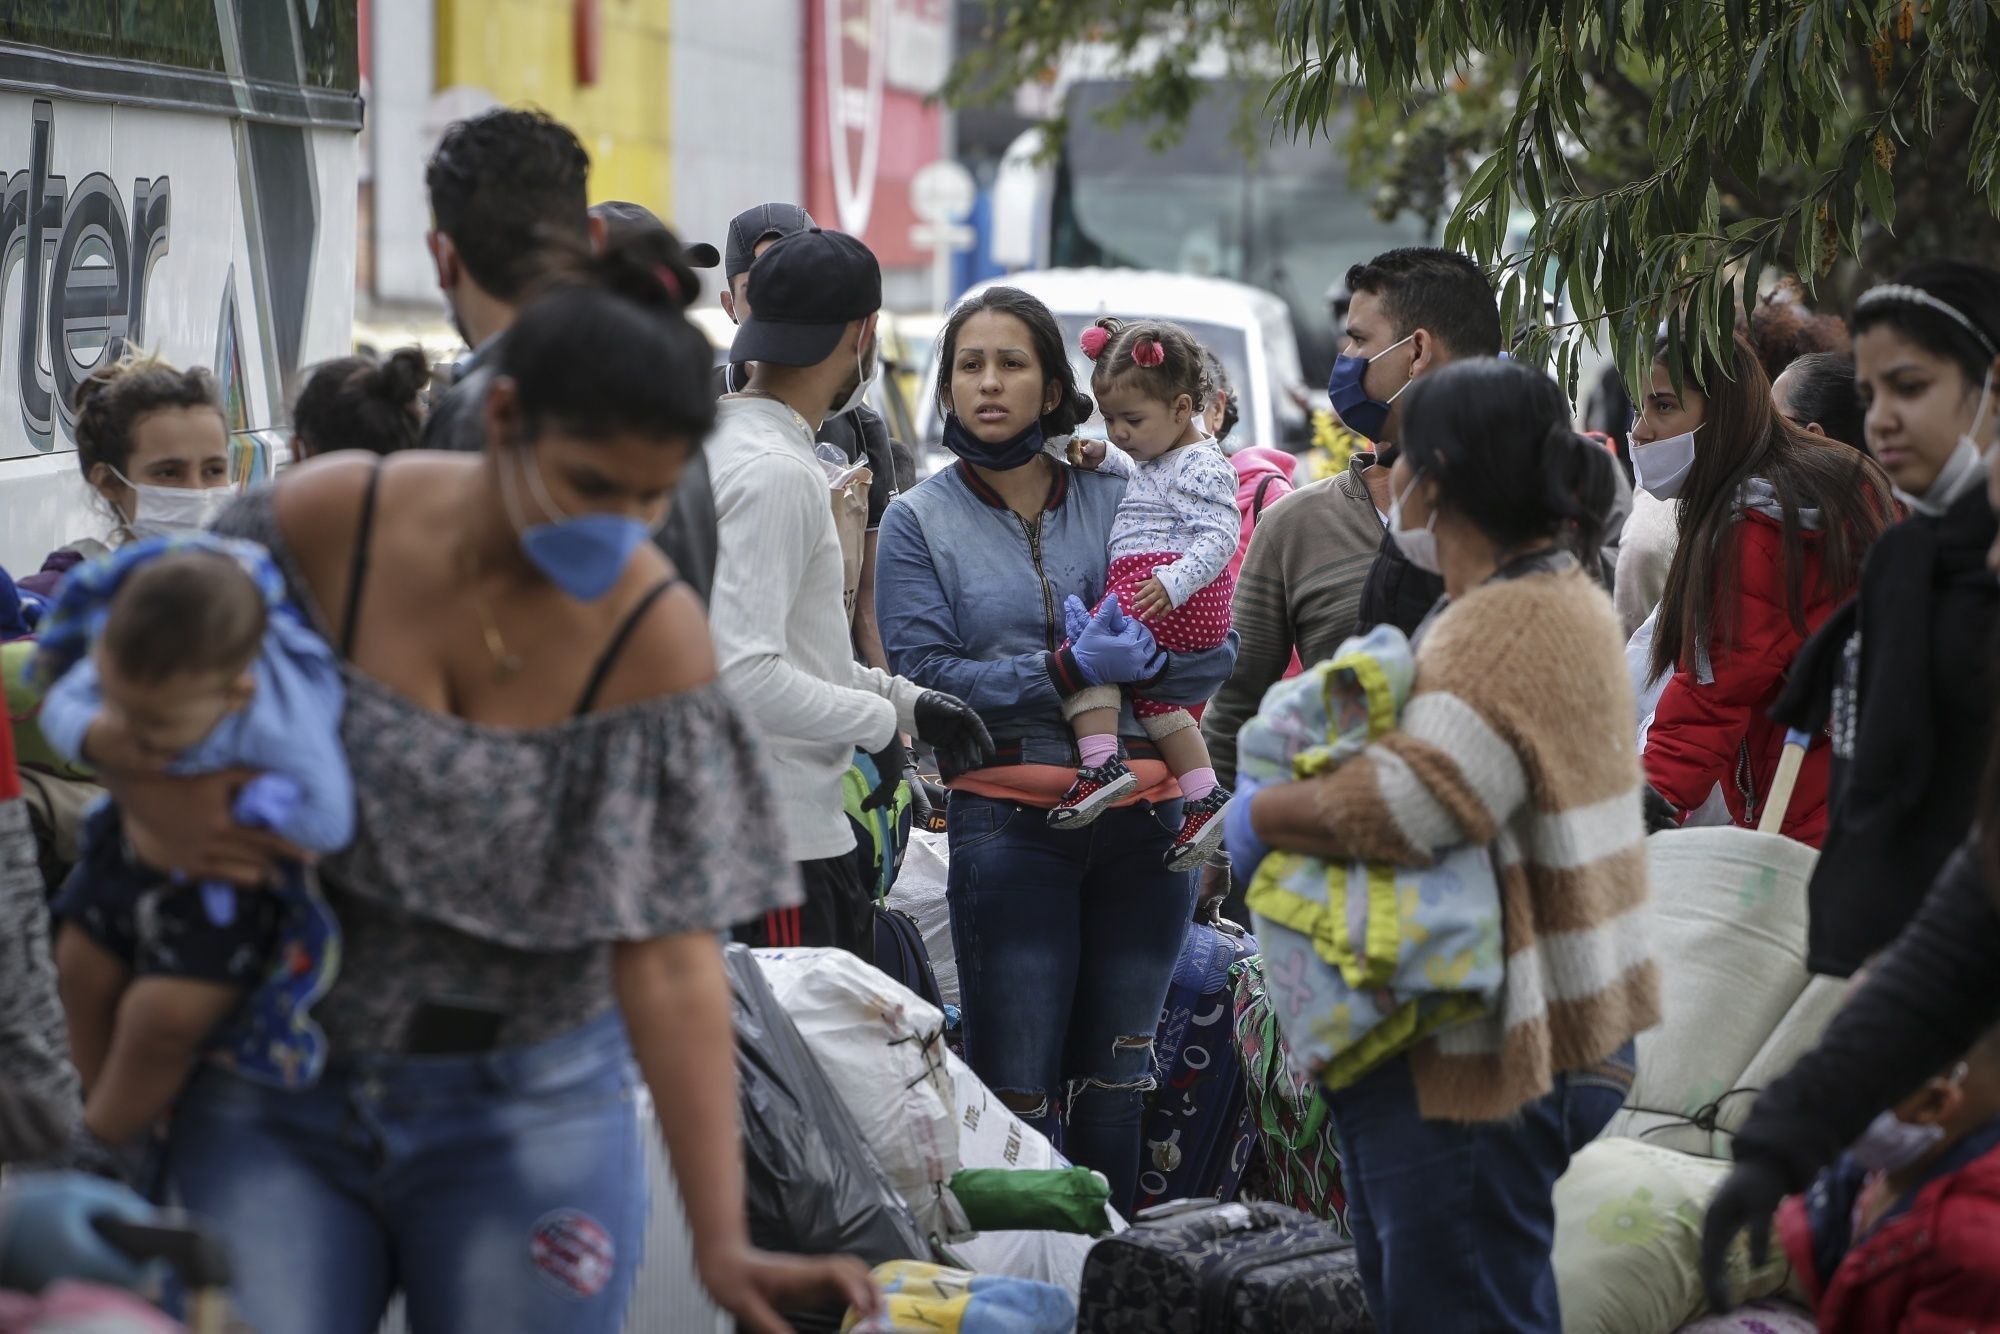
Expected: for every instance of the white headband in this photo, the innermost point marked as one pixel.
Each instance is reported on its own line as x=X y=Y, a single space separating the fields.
x=1917 y=296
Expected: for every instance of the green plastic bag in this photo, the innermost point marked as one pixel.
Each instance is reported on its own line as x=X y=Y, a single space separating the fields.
x=1070 y=1199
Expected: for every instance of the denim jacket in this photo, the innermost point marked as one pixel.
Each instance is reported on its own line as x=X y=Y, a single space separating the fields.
x=969 y=599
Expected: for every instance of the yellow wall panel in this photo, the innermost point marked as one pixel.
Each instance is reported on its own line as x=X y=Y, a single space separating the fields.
x=523 y=53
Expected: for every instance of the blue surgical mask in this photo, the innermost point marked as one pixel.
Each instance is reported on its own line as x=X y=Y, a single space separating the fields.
x=1891 y=1144
x=1016 y=451
x=1363 y=415
x=582 y=555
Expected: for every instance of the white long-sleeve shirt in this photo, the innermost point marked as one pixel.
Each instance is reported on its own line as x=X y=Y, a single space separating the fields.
x=1183 y=501
x=780 y=627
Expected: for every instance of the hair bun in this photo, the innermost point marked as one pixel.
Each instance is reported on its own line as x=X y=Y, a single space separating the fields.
x=402 y=376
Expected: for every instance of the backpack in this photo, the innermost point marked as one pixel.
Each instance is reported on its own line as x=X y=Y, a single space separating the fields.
x=900 y=952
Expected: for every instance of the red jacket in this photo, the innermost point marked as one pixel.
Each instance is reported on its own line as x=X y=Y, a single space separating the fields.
x=1721 y=731
x=1932 y=1269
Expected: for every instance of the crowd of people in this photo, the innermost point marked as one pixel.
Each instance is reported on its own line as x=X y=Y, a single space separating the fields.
x=497 y=714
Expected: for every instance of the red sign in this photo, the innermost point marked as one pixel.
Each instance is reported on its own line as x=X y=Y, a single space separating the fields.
x=865 y=138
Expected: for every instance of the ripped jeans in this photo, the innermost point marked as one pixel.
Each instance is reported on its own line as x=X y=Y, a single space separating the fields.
x=1066 y=941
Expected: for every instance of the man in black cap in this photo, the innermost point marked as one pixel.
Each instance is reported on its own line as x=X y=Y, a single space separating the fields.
x=860 y=434
x=688 y=536
x=778 y=616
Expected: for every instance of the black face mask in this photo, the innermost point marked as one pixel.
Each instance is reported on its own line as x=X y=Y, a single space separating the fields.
x=1017 y=451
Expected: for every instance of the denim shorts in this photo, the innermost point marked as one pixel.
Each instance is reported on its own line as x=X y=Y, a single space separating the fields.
x=501 y=1191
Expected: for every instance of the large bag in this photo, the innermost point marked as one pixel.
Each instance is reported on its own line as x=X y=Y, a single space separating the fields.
x=1627 y=1251
x=953 y=1301
x=1224 y=1269
x=811 y=1185
x=1728 y=907
x=882 y=1048
x=1301 y=1158
x=1199 y=1128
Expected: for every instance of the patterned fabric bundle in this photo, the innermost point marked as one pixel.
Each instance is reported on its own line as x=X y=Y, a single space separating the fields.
x=1295 y=1135
x=1363 y=959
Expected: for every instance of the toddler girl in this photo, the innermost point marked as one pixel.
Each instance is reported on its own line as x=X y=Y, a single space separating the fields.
x=1171 y=542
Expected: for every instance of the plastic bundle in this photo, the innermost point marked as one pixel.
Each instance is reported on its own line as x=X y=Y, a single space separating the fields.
x=812 y=1185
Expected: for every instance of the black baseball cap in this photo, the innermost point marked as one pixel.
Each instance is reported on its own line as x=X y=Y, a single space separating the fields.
x=754 y=226
x=625 y=221
x=808 y=288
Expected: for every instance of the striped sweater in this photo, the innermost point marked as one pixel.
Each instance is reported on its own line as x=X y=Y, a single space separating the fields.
x=1518 y=734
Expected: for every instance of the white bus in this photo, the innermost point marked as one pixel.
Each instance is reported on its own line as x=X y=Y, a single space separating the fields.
x=179 y=176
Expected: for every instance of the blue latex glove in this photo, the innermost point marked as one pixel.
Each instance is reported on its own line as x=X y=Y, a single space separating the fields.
x=45 y=1231
x=1246 y=850
x=1111 y=648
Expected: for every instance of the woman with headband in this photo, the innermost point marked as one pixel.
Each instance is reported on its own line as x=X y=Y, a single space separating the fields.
x=1927 y=349
x=1898 y=675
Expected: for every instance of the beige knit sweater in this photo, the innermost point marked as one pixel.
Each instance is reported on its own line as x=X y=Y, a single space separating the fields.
x=1518 y=733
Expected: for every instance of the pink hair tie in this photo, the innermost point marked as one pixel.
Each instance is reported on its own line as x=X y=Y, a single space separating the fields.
x=668 y=281
x=1149 y=353
x=1092 y=341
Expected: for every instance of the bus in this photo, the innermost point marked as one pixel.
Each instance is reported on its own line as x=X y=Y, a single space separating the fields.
x=177 y=176
x=1285 y=218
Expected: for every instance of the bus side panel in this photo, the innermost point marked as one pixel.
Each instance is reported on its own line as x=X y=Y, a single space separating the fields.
x=150 y=228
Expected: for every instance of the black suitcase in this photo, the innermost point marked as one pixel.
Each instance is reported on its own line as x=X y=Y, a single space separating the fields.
x=1202 y=1268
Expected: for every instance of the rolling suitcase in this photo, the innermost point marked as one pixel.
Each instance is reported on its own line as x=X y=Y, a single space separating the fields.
x=1199 y=1125
x=1223 y=1269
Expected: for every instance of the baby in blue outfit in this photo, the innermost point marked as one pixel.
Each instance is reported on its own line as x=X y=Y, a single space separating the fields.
x=180 y=654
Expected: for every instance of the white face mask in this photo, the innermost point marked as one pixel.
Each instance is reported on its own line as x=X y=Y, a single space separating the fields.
x=869 y=375
x=1418 y=545
x=1965 y=467
x=1662 y=467
x=165 y=511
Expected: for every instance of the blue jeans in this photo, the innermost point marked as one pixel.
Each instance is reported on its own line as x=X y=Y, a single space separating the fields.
x=1066 y=941
x=1453 y=1222
x=500 y=1191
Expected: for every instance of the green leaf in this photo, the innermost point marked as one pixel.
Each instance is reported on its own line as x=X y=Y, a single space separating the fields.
x=1879 y=190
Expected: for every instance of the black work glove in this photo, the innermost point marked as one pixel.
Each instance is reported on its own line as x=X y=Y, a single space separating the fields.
x=1749 y=1198
x=1661 y=814
x=890 y=762
x=30 y=1127
x=953 y=730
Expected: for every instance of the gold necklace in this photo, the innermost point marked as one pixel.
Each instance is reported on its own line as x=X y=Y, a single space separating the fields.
x=506 y=664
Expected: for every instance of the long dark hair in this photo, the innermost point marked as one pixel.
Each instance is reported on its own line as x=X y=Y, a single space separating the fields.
x=1743 y=436
x=1498 y=439
x=1073 y=407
